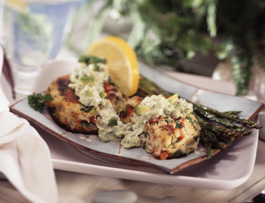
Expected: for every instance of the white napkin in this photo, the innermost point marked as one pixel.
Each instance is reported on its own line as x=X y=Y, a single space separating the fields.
x=25 y=158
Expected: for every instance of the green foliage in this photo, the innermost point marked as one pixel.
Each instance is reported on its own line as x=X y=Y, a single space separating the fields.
x=241 y=73
x=172 y=31
x=242 y=22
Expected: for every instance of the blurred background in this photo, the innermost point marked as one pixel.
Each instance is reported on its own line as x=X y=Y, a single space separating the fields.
x=219 y=39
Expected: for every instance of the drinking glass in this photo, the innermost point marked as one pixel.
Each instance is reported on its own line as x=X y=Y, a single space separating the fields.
x=34 y=32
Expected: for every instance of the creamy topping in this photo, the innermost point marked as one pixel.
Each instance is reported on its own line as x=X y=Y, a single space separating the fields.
x=88 y=80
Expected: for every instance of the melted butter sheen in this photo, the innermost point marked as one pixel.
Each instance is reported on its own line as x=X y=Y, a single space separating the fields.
x=87 y=81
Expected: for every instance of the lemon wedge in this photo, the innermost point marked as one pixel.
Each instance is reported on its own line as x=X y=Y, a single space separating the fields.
x=121 y=62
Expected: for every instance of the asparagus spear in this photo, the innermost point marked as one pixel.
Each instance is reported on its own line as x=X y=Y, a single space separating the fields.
x=210 y=142
x=244 y=122
x=212 y=117
x=235 y=113
x=223 y=134
x=148 y=87
x=224 y=122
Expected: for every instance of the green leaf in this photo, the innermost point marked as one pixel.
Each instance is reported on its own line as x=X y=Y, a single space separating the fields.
x=179 y=125
x=38 y=101
x=211 y=19
x=113 y=122
x=241 y=74
x=87 y=59
x=87 y=79
x=48 y=98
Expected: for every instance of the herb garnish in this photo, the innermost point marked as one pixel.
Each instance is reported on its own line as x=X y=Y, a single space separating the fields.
x=191 y=121
x=179 y=125
x=87 y=59
x=87 y=79
x=113 y=122
x=37 y=101
x=86 y=108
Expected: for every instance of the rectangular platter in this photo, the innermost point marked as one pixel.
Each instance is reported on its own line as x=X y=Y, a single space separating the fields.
x=136 y=164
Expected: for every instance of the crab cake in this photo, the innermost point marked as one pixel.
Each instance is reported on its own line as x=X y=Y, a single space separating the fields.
x=166 y=137
x=73 y=116
x=86 y=102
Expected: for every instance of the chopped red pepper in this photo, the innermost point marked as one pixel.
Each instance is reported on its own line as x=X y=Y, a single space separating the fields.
x=154 y=120
x=129 y=109
x=93 y=120
x=180 y=137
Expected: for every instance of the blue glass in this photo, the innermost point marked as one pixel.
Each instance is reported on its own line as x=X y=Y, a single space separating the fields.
x=39 y=32
x=34 y=33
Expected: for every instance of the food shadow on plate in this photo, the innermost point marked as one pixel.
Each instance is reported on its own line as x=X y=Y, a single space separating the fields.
x=66 y=152
x=111 y=152
x=211 y=167
x=63 y=151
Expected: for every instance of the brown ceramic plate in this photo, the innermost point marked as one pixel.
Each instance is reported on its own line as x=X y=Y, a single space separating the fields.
x=111 y=151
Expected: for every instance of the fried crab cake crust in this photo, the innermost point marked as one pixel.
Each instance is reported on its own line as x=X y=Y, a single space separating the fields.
x=66 y=110
x=70 y=114
x=167 y=137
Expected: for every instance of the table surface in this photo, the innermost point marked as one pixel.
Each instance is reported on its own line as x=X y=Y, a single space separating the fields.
x=77 y=187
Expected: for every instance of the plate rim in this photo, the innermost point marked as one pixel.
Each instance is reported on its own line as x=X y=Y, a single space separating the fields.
x=86 y=150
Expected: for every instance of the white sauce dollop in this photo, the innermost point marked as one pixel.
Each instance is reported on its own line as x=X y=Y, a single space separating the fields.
x=88 y=83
